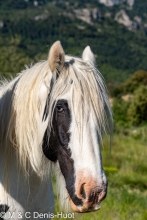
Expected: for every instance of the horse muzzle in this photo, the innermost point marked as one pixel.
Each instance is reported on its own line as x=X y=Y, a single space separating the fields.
x=91 y=192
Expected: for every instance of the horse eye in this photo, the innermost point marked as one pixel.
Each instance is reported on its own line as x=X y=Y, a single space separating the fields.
x=60 y=109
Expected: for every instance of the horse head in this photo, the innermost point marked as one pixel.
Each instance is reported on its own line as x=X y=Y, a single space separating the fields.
x=80 y=116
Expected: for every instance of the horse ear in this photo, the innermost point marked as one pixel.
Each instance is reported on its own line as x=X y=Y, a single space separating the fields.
x=88 y=56
x=56 y=57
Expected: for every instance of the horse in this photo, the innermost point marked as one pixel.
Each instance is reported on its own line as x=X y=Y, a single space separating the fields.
x=53 y=117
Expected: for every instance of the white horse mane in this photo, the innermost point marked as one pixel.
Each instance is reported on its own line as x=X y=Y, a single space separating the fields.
x=23 y=101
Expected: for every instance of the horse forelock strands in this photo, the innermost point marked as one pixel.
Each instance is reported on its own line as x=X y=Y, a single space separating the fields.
x=88 y=93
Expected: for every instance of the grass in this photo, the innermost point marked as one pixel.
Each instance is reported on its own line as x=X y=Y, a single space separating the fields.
x=126 y=170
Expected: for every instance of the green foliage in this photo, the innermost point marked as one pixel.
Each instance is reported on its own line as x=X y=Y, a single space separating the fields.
x=130 y=85
x=137 y=111
x=134 y=110
x=117 y=91
x=137 y=79
x=19 y=4
x=12 y=60
x=139 y=133
x=120 y=111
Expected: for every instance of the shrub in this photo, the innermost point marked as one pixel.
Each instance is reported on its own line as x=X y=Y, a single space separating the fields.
x=137 y=112
x=137 y=79
x=120 y=111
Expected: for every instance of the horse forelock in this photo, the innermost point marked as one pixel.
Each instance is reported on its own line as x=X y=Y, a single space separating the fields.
x=87 y=93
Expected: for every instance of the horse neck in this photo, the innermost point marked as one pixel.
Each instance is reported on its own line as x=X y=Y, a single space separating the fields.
x=14 y=179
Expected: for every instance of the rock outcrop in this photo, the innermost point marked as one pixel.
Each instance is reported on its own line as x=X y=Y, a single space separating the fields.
x=110 y=3
x=122 y=18
x=87 y=15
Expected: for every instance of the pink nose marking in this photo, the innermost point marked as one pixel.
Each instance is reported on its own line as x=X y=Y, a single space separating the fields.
x=90 y=191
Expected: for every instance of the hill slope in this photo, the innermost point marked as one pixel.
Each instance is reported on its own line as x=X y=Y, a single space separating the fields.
x=115 y=30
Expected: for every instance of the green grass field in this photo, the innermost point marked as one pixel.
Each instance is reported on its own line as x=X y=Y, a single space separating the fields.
x=126 y=170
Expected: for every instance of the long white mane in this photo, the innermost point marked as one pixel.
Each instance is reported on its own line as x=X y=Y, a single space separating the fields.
x=23 y=101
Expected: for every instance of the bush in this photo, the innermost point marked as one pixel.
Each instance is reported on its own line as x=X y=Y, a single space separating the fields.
x=120 y=111
x=137 y=79
x=137 y=112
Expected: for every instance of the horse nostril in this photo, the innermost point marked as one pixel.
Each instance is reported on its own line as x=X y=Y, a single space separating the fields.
x=102 y=195
x=82 y=192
